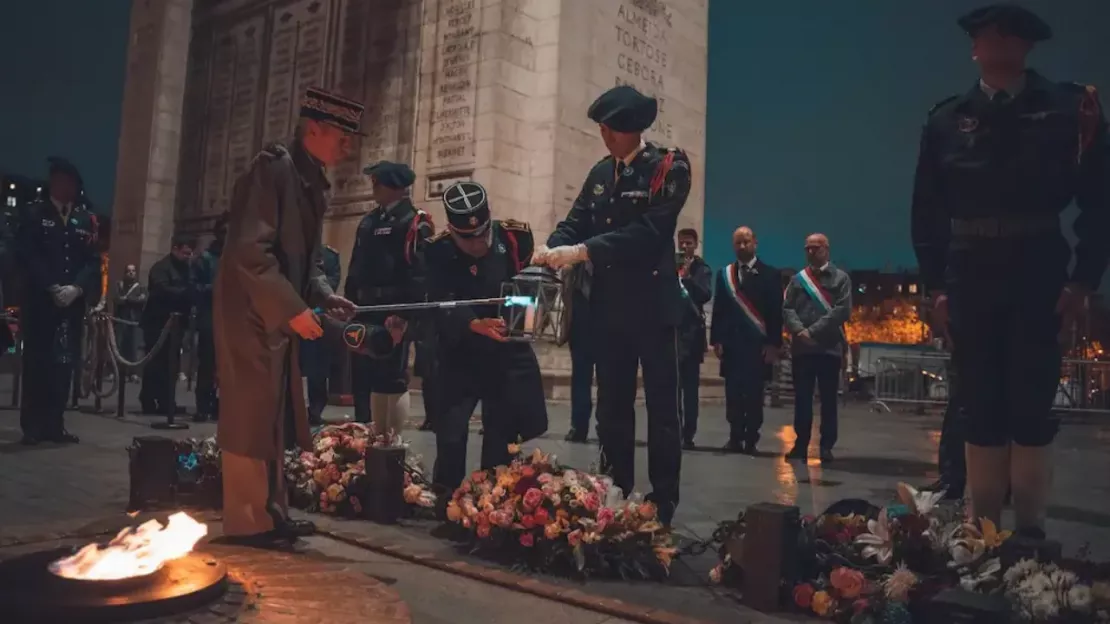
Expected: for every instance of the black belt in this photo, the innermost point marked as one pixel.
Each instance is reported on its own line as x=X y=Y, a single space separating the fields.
x=1005 y=227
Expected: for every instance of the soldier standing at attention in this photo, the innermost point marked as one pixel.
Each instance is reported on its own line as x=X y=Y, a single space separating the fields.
x=316 y=355
x=471 y=259
x=384 y=269
x=267 y=286
x=57 y=247
x=997 y=166
x=623 y=222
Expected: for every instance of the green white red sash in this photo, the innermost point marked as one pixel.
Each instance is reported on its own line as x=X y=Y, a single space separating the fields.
x=732 y=281
x=813 y=287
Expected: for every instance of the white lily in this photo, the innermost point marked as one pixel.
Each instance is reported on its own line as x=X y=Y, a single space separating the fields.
x=922 y=503
x=878 y=542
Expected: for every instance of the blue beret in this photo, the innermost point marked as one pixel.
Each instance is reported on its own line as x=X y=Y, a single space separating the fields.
x=624 y=109
x=391 y=174
x=1010 y=19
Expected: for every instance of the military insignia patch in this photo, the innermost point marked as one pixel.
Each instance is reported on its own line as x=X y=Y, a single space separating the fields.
x=968 y=124
x=599 y=189
x=628 y=171
x=354 y=334
x=473 y=221
x=500 y=248
x=474 y=269
x=672 y=186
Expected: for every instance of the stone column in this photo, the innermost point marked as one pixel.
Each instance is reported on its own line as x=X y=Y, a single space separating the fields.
x=150 y=134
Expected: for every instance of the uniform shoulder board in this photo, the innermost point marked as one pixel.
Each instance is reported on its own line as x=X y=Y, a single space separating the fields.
x=274 y=150
x=513 y=224
x=941 y=103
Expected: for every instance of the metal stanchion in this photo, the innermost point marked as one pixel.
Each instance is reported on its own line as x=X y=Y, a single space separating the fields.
x=171 y=401
x=121 y=390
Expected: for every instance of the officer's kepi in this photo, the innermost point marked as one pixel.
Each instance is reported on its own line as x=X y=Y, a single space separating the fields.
x=467 y=206
x=624 y=109
x=391 y=174
x=1010 y=19
x=332 y=109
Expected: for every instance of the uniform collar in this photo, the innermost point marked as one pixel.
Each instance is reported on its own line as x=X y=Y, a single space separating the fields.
x=628 y=158
x=1012 y=89
x=60 y=207
x=310 y=169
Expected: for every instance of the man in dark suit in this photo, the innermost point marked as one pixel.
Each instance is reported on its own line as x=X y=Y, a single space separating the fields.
x=696 y=278
x=746 y=335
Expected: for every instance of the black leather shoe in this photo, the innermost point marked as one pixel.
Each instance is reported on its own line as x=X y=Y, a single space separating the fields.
x=64 y=437
x=798 y=452
x=29 y=440
x=732 y=447
x=826 y=456
x=688 y=445
x=574 y=436
x=292 y=529
x=749 y=448
x=425 y=426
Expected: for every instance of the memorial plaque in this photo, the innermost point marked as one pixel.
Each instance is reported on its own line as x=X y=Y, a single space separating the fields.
x=455 y=83
x=297 y=53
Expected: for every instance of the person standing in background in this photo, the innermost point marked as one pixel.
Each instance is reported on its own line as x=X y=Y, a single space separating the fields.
x=815 y=307
x=204 y=276
x=696 y=278
x=583 y=359
x=170 y=288
x=746 y=334
x=316 y=355
x=131 y=296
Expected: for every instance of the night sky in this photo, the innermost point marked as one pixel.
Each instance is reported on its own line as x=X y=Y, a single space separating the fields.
x=814 y=107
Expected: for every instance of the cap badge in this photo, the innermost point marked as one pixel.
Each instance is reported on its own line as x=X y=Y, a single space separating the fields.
x=599 y=189
x=968 y=124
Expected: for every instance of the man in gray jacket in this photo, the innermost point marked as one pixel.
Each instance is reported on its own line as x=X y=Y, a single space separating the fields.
x=817 y=303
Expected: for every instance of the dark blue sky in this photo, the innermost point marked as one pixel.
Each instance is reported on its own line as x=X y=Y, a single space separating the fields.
x=814 y=106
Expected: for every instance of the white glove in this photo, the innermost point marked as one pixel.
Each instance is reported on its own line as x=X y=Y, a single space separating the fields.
x=540 y=255
x=566 y=255
x=66 y=295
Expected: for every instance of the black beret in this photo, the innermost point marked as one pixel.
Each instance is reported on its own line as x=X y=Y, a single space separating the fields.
x=1010 y=19
x=624 y=109
x=62 y=166
x=332 y=109
x=467 y=206
x=391 y=174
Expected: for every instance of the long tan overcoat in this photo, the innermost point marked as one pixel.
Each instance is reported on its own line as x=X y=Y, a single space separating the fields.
x=268 y=274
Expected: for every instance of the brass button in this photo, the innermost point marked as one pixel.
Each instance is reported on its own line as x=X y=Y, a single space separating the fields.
x=608 y=220
x=655 y=273
x=611 y=200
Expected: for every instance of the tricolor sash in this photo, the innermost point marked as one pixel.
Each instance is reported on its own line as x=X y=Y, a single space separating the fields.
x=732 y=281
x=814 y=288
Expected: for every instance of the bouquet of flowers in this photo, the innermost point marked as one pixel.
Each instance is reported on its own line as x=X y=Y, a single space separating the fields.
x=199 y=482
x=554 y=519
x=331 y=477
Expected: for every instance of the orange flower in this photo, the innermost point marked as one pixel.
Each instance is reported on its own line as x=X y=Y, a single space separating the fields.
x=823 y=603
x=848 y=582
x=647 y=511
x=552 y=531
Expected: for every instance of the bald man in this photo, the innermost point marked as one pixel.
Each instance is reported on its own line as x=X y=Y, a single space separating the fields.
x=746 y=334
x=817 y=303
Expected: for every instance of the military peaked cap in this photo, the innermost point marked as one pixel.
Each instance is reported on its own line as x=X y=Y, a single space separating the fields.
x=333 y=109
x=1010 y=19
x=624 y=109
x=391 y=174
x=467 y=205
x=62 y=166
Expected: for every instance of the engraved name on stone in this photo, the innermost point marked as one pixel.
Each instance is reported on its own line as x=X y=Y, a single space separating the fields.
x=456 y=78
x=297 y=48
x=642 y=30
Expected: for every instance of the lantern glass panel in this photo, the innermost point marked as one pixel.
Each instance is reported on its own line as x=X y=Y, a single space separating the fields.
x=532 y=305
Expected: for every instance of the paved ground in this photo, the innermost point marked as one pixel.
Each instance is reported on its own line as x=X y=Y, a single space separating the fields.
x=48 y=488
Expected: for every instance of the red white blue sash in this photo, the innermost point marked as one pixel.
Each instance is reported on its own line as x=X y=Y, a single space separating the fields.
x=809 y=282
x=732 y=281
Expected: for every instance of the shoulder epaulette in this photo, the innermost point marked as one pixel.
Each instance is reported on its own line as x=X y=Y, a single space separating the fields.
x=513 y=224
x=942 y=103
x=274 y=150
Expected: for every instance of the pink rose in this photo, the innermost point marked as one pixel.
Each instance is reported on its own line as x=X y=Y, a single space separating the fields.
x=605 y=517
x=592 y=502
x=574 y=538
x=532 y=498
x=540 y=516
x=527 y=540
x=483 y=531
x=528 y=521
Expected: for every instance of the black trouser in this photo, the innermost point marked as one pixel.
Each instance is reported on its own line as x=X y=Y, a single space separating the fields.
x=315 y=360
x=583 y=361
x=951 y=459
x=1005 y=338
x=823 y=371
x=127 y=339
x=620 y=353
x=689 y=378
x=206 y=372
x=48 y=367
x=387 y=375
x=360 y=386
x=430 y=383
x=745 y=378
x=157 y=377
x=506 y=379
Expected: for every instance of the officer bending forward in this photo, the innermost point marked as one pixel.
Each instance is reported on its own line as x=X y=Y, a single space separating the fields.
x=471 y=259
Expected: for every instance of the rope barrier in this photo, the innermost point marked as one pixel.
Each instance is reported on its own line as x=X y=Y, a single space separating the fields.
x=100 y=326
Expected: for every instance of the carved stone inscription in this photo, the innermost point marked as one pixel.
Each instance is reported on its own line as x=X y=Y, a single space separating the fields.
x=233 y=86
x=297 y=50
x=456 y=84
x=642 y=29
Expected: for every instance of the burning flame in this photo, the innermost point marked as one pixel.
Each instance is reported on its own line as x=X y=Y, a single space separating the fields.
x=519 y=300
x=134 y=551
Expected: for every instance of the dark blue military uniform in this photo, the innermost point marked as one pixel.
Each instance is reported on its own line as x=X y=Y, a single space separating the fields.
x=56 y=248
x=316 y=355
x=993 y=175
x=626 y=215
x=697 y=290
x=384 y=269
x=204 y=270
x=504 y=376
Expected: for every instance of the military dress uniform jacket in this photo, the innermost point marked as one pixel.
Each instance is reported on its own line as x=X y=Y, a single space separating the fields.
x=203 y=272
x=269 y=273
x=385 y=261
x=1023 y=161
x=626 y=217
x=697 y=285
x=56 y=252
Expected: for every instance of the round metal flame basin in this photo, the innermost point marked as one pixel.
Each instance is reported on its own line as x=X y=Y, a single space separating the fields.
x=32 y=593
